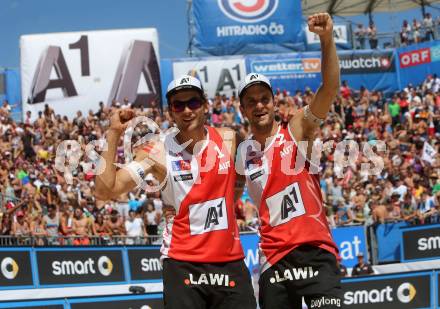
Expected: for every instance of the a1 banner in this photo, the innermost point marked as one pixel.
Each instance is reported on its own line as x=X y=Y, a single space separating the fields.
x=123 y=302
x=64 y=267
x=15 y=269
x=218 y=75
x=398 y=291
x=74 y=71
x=144 y=263
x=340 y=35
x=420 y=243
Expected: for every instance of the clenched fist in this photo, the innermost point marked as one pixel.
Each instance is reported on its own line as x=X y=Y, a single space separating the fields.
x=321 y=24
x=120 y=118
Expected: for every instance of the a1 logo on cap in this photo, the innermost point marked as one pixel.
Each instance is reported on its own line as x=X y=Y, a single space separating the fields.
x=248 y=11
x=184 y=80
x=253 y=77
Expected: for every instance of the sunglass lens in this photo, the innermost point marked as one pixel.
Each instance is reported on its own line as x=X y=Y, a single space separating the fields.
x=194 y=103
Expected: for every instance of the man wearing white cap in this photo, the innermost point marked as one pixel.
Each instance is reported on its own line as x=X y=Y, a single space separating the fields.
x=203 y=263
x=298 y=256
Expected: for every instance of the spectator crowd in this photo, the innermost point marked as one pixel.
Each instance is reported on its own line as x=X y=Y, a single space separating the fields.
x=410 y=33
x=38 y=202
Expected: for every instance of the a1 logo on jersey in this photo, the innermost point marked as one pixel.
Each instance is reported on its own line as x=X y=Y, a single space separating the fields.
x=208 y=216
x=248 y=11
x=285 y=205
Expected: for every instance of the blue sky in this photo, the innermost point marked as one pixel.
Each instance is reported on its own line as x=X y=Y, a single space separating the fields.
x=19 y=17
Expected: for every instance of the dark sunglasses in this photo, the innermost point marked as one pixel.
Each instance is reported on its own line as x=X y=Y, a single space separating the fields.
x=193 y=104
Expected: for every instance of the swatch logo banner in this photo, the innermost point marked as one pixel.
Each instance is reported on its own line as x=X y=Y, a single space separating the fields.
x=248 y=10
x=367 y=63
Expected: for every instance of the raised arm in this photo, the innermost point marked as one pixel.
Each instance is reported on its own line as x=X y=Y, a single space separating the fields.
x=307 y=120
x=112 y=183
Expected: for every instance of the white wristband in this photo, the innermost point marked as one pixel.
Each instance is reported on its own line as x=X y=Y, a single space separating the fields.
x=309 y=116
x=136 y=171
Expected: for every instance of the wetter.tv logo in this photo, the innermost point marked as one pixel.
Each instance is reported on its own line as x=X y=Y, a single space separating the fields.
x=248 y=11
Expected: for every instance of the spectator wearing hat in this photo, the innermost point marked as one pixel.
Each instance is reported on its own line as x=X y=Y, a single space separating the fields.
x=21 y=228
x=362 y=268
x=343 y=270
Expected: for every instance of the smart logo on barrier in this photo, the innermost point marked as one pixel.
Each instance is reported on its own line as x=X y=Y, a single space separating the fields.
x=9 y=268
x=105 y=267
x=406 y=292
x=79 y=266
x=391 y=291
x=248 y=10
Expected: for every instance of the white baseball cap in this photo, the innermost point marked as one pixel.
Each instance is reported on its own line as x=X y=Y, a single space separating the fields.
x=184 y=82
x=252 y=79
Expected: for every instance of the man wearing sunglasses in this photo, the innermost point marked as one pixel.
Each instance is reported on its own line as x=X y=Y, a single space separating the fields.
x=203 y=263
x=297 y=254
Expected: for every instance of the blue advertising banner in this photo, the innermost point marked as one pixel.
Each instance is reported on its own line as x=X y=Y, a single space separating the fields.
x=351 y=241
x=114 y=302
x=228 y=27
x=12 y=92
x=250 y=248
x=288 y=72
x=375 y=70
x=388 y=237
x=418 y=61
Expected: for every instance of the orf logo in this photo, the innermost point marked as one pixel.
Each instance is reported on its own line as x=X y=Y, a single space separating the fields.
x=248 y=11
x=9 y=268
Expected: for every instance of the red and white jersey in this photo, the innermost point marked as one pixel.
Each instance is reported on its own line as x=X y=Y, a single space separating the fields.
x=201 y=188
x=289 y=200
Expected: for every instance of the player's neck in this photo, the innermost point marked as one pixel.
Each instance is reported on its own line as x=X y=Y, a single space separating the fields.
x=261 y=135
x=195 y=136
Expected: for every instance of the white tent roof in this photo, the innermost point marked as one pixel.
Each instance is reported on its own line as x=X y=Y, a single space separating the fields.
x=359 y=7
